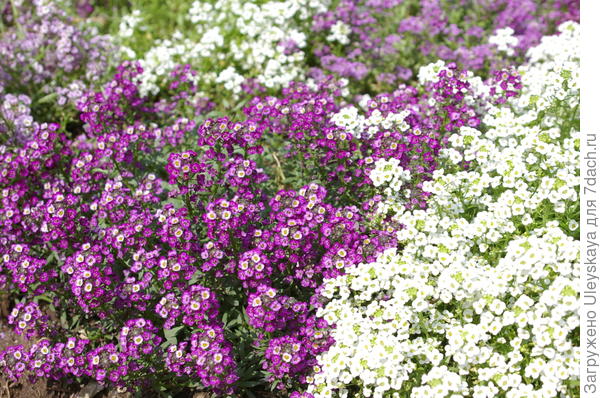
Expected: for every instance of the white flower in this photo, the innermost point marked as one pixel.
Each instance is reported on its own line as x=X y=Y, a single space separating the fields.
x=340 y=32
x=504 y=40
x=429 y=73
x=128 y=24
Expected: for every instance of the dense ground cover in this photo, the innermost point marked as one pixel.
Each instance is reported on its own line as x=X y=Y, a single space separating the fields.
x=298 y=198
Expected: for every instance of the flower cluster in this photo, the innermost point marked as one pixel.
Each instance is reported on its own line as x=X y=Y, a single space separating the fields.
x=27 y=319
x=507 y=85
x=379 y=44
x=23 y=269
x=44 y=359
x=284 y=354
x=46 y=56
x=207 y=356
x=334 y=140
x=270 y=312
x=221 y=214
x=482 y=298
x=17 y=122
x=138 y=337
x=258 y=40
x=106 y=363
x=170 y=254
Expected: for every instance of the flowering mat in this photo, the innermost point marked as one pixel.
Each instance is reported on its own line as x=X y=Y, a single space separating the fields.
x=295 y=198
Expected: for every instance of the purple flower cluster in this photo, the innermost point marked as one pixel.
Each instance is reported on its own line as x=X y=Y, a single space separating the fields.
x=106 y=363
x=330 y=154
x=112 y=106
x=302 y=118
x=179 y=96
x=47 y=56
x=283 y=355
x=90 y=276
x=42 y=359
x=271 y=312
x=80 y=202
x=388 y=40
x=70 y=358
x=450 y=91
x=506 y=84
x=15 y=112
x=39 y=151
x=139 y=337
x=14 y=361
x=20 y=270
x=254 y=267
x=293 y=356
x=197 y=306
x=206 y=356
x=27 y=319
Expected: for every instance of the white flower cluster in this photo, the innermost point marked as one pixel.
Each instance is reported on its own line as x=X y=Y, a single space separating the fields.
x=230 y=79
x=389 y=171
x=429 y=72
x=391 y=178
x=482 y=299
x=349 y=119
x=505 y=40
x=556 y=57
x=128 y=24
x=354 y=122
x=340 y=32
x=236 y=39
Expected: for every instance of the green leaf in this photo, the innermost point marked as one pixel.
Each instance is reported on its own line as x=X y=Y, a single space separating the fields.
x=63 y=320
x=44 y=297
x=177 y=202
x=568 y=291
x=75 y=321
x=170 y=334
x=47 y=98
